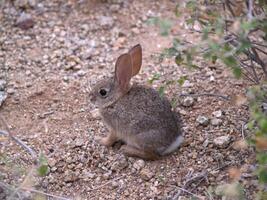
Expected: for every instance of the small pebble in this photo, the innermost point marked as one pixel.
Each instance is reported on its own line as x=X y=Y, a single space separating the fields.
x=202 y=120
x=3 y=97
x=25 y=21
x=10 y=91
x=188 y=101
x=146 y=174
x=217 y=113
x=2 y=85
x=222 y=141
x=139 y=164
x=216 y=122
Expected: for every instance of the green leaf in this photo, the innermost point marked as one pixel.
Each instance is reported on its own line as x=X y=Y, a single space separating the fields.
x=263 y=124
x=174 y=103
x=154 y=78
x=244 y=45
x=205 y=34
x=161 y=91
x=230 y=61
x=237 y=72
x=190 y=21
x=181 y=80
x=153 y=21
x=170 y=52
x=249 y=25
x=43 y=168
x=177 y=11
x=192 y=5
x=176 y=43
x=165 y=26
x=179 y=59
x=262 y=158
x=214 y=59
x=262 y=173
x=170 y=82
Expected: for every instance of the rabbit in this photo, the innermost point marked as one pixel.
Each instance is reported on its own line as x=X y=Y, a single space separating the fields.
x=134 y=114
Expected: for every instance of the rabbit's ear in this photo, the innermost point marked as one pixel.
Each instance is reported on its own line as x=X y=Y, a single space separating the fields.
x=123 y=71
x=136 y=54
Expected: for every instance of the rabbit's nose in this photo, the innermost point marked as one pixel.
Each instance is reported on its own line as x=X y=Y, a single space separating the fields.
x=92 y=98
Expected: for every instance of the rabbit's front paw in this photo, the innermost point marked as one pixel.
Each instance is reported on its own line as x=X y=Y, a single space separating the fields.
x=106 y=141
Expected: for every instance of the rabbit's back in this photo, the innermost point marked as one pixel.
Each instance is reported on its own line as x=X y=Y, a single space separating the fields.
x=143 y=110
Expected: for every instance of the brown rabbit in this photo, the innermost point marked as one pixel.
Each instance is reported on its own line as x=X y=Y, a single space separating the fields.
x=136 y=115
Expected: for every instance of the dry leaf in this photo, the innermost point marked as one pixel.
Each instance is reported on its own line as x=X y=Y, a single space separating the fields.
x=238 y=9
x=234 y=173
x=3 y=138
x=240 y=144
x=261 y=143
x=236 y=26
x=239 y=99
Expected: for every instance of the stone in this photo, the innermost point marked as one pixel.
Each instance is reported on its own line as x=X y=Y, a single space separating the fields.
x=77 y=67
x=81 y=73
x=90 y=175
x=10 y=91
x=32 y=3
x=146 y=174
x=216 y=122
x=217 y=113
x=222 y=141
x=78 y=142
x=70 y=176
x=188 y=101
x=136 y=30
x=119 y=164
x=187 y=84
x=206 y=143
x=25 y=21
x=139 y=164
x=114 y=8
x=3 y=97
x=2 y=85
x=106 y=22
x=202 y=120
x=21 y=3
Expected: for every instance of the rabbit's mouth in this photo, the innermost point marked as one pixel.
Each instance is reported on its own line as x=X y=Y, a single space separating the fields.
x=92 y=98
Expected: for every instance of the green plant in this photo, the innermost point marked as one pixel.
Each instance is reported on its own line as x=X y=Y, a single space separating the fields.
x=233 y=33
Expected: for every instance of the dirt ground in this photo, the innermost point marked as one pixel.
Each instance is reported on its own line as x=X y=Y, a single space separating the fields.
x=48 y=69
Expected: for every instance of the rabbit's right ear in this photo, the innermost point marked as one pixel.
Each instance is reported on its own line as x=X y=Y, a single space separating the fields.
x=136 y=55
x=123 y=71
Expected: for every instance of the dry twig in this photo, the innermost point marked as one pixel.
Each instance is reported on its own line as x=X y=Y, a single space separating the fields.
x=108 y=182
x=9 y=134
x=205 y=94
x=9 y=187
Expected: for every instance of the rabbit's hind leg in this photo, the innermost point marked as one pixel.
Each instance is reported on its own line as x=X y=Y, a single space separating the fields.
x=108 y=141
x=135 y=152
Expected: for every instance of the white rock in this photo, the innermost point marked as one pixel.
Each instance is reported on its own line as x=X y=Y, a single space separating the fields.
x=188 y=101
x=187 y=84
x=217 y=113
x=202 y=120
x=222 y=141
x=3 y=97
x=2 y=85
x=105 y=21
x=146 y=174
x=139 y=164
x=216 y=122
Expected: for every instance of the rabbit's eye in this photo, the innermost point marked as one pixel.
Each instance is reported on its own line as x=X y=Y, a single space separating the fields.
x=103 y=92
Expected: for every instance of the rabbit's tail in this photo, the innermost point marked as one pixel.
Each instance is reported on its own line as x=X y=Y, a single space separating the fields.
x=174 y=145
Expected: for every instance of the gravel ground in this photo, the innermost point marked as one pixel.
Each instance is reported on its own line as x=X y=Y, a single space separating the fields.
x=51 y=51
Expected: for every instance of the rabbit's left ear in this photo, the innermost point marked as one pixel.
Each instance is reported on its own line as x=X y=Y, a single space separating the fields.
x=123 y=71
x=136 y=55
